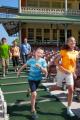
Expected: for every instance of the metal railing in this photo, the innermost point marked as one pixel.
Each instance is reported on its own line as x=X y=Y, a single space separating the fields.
x=49 y=11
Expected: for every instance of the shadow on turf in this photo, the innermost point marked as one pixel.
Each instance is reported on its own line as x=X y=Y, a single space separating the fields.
x=63 y=115
x=24 y=111
x=18 y=111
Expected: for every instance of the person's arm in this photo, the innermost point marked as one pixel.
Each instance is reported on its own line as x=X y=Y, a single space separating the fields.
x=43 y=69
x=19 y=71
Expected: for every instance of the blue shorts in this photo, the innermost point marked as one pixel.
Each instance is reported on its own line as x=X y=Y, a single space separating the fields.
x=34 y=85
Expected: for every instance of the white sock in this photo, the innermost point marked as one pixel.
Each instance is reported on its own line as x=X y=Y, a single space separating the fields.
x=69 y=107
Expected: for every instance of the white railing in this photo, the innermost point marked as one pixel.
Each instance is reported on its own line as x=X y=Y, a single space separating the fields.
x=3 y=107
x=48 y=11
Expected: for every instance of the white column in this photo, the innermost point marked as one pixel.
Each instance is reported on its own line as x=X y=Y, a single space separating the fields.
x=65 y=6
x=19 y=4
x=42 y=34
x=35 y=35
x=57 y=37
x=65 y=29
x=20 y=40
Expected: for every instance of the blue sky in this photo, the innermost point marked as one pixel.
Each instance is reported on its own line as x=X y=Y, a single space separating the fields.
x=3 y=33
x=13 y=3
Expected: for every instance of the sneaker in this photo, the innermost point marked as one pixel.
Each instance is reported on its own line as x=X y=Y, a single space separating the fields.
x=70 y=113
x=34 y=115
x=16 y=69
x=47 y=89
x=3 y=75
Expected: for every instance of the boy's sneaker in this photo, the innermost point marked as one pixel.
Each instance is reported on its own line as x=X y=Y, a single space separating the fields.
x=70 y=113
x=34 y=115
x=3 y=75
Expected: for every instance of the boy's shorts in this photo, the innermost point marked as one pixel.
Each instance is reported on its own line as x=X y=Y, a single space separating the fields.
x=34 y=85
x=62 y=76
x=5 y=61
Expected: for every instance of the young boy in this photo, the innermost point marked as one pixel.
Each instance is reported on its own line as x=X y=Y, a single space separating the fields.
x=38 y=66
x=4 y=53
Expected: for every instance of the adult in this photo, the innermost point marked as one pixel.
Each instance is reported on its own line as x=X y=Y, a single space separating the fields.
x=25 y=50
x=15 y=51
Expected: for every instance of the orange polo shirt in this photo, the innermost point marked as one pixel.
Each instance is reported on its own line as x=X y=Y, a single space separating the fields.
x=69 y=59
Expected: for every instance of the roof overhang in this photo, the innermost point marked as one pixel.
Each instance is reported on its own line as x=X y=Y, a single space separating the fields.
x=43 y=19
x=49 y=19
x=14 y=21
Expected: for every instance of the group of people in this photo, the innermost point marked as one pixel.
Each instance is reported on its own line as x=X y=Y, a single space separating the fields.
x=65 y=61
x=13 y=52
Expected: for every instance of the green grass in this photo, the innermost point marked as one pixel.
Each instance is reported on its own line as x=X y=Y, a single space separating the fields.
x=13 y=98
x=11 y=88
x=13 y=80
x=47 y=111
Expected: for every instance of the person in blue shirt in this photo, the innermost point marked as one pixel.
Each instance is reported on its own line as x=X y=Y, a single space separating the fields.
x=38 y=65
x=25 y=50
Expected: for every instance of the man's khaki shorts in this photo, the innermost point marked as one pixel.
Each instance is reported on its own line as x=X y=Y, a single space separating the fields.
x=5 y=62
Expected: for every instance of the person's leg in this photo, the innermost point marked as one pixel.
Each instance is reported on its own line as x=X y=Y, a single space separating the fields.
x=14 y=65
x=17 y=62
x=70 y=95
x=7 y=64
x=70 y=98
x=26 y=58
x=70 y=84
x=33 y=100
x=23 y=59
x=3 y=66
x=33 y=87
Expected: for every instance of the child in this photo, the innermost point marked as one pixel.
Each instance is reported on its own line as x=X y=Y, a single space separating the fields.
x=66 y=62
x=38 y=66
x=4 y=53
x=15 y=55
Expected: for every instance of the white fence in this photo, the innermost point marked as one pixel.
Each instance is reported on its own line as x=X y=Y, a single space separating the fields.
x=3 y=107
x=49 y=11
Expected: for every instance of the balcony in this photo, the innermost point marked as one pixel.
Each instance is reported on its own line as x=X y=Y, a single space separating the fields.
x=48 y=11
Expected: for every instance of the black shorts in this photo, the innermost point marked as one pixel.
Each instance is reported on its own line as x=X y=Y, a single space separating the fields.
x=34 y=85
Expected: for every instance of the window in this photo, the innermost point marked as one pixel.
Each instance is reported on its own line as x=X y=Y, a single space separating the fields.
x=30 y=33
x=62 y=35
x=44 y=3
x=54 y=34
x=79 y=6
x=32 y=3
x=56 y=4
x=46 y=34
x=39 y=35
x=69 y=33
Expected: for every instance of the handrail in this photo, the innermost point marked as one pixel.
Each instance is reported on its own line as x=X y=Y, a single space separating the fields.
x=49 y=11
